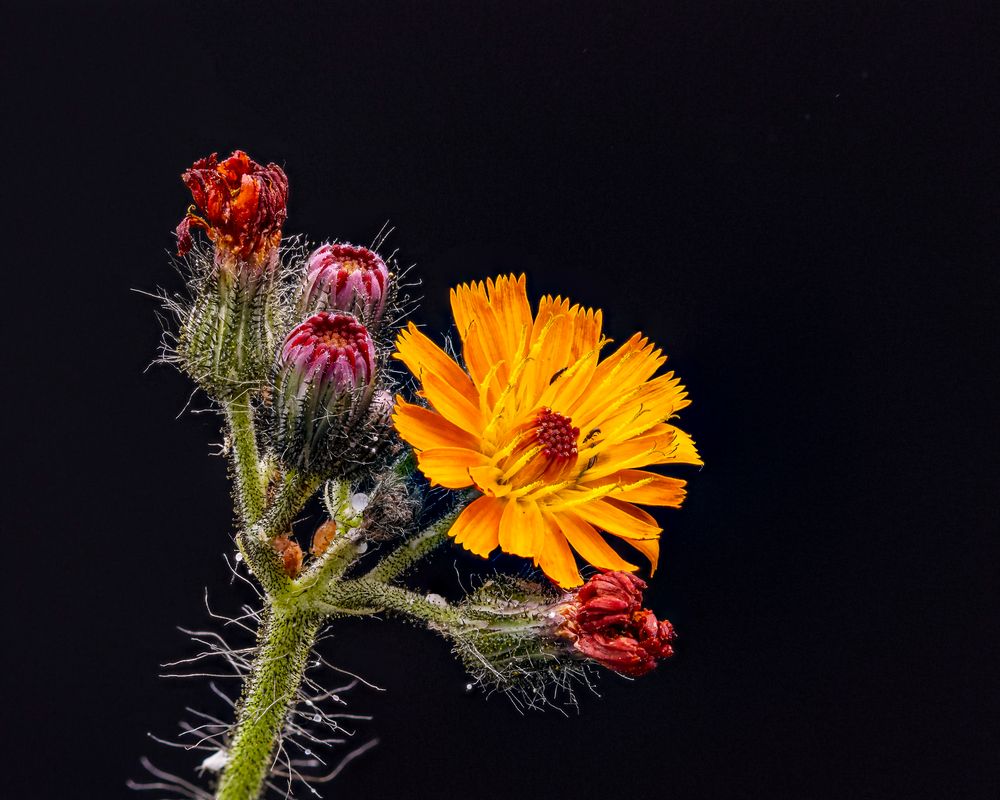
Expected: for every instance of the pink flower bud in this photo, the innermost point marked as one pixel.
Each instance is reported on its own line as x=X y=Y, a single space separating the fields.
x=607 y=622
x=343 y=277
x=324 y=385
x=330 y=348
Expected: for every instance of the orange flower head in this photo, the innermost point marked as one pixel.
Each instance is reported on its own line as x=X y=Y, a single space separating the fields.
x=240 y=204
x=554 y=438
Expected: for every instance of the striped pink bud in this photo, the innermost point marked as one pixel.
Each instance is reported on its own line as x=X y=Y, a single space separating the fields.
x=324 y=386
x=330 y=348
x=344 y=277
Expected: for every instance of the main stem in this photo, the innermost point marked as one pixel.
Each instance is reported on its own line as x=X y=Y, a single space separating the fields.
x=296 y=611
x=286 y=639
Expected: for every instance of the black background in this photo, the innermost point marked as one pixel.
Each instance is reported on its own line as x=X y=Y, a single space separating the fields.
x=799 y=202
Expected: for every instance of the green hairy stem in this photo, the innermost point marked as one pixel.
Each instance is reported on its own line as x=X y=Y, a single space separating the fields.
x=286 y=640
x=249 y=481
x=401 y=559
x=297 y=608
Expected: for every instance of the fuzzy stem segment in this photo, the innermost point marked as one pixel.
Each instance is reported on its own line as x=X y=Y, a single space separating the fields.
x=255 y=542
x=367 y=596
x=285 y=643
x=245 y=458
x=296 y=490
x=411 y=551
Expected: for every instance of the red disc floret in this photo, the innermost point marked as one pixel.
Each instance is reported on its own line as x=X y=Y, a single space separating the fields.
x=556 y=434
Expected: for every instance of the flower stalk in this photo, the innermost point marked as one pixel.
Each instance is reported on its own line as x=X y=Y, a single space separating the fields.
x=419 y=546
x=286 y=639
x=246 y=461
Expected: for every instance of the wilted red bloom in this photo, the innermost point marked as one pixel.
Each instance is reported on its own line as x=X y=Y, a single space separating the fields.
x=238 y=203
x=610 y=625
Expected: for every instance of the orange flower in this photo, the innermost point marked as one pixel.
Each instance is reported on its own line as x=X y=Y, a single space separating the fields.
x=552 y=436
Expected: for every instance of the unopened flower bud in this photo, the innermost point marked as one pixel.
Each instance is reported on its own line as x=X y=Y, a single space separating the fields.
x=391 y=508
x=506 y=637
x=324 y=386
x=334 y=350
x=606 y=622
x=344 y=277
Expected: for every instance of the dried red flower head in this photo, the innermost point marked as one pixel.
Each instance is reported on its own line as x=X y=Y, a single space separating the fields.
x=344 y=277
x=606 y=619
x=238 y=203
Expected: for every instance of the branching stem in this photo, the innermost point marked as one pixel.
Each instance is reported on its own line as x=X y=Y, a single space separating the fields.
x=297 y=608
x=417 y=547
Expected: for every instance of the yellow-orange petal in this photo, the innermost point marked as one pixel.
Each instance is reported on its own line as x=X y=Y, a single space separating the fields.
x=421 y=355
x=652 y=489
x=621 y=371
x=634 y=412
x=548 y=355
x=449 y=466
x=661 y=444
x=480 y=331
x=556 y=559
x=452 y=404
x=508 y=297
x=586 y=331
x=650 y=548
x=522 y=529
x=620 y=519
x=566 y=389
x=548 y=307
x=590 y=544
x=424 y=429
x=477 y=527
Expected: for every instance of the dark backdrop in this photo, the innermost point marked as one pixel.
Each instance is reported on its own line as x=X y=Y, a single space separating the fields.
x=799 y=202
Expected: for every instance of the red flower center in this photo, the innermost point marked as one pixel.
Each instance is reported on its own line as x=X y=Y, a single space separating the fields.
x=556 y=434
